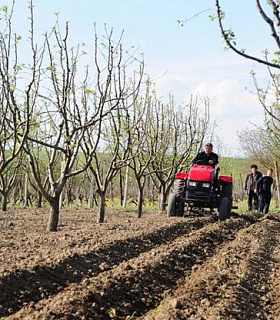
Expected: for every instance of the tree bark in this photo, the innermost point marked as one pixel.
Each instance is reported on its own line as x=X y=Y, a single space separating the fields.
x=54 y=215
x=121 y=185
x=39 y=199
x=162 y=200
x=277 y=181
x=4 y=201
x=26 y=190
x=91 y=196
x=140 y=201
x=162 y=197
x=126 y=187
x=101 y=209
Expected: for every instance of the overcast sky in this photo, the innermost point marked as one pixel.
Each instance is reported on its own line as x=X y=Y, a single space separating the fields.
x=183 y=60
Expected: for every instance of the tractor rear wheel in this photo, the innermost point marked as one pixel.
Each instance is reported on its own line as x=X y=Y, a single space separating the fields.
x=227 y=192
x=224 y=211
x=171 y=206
x=180 y=207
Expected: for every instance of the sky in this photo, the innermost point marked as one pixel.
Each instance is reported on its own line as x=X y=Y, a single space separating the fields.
x=182 y=60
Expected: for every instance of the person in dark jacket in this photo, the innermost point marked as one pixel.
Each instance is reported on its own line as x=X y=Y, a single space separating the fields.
x=264 y=191
x=206 y=157
x=251 y=187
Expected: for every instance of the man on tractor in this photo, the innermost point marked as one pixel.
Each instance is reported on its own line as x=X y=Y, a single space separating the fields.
x=202 y=187
x=206 y=157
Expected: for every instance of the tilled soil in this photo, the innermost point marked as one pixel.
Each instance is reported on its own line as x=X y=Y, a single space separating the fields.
x=150 y=268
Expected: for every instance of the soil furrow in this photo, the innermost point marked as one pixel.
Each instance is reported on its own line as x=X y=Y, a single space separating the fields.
x=233 y=284
x=137 y=285
x=273 y=297
x=24 y=286
x=251 y=295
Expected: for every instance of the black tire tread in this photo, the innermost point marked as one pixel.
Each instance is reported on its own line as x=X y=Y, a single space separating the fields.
x=224 y=209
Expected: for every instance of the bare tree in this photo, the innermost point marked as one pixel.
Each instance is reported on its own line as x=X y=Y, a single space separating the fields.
x=7 y=181
x=273 y=22
x=259 y=145
x=266 y=139
x=115 y=141
x=117 y=95
x=69 y=109
x=18 y=94
x=176 y=137
x=140 y=153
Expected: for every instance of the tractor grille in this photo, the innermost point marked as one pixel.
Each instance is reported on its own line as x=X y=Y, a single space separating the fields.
x=198 y=196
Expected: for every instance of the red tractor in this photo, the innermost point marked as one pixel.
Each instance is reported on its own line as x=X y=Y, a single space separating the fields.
x=202 y=187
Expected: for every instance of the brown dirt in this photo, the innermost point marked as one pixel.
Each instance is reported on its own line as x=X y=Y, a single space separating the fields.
x=150 y=268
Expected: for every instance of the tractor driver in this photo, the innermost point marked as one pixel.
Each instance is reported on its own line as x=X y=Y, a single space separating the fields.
x=206 y=157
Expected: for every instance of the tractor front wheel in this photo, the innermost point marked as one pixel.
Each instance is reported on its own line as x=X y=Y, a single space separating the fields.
x=175 y=207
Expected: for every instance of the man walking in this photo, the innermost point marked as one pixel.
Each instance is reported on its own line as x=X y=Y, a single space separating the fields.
x=251 y=187
x=264 y=191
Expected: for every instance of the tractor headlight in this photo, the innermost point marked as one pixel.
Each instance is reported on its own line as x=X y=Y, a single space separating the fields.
x=192 y=184
x=205 y=185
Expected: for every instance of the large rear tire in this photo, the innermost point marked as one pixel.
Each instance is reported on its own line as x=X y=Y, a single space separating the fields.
x=180 y=207
x=224 y=211
x=227 y=192
x=171 y=205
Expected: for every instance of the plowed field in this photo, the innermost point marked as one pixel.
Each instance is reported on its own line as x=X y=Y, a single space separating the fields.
x=150 y=268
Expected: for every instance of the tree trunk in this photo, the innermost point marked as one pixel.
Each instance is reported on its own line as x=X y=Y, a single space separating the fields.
x=121 y=186
x=126 y=187
x=162 y=201
x=277 y=181
x=54 y=215
x=101 y=209
x=140 y=201
x=241 y=187
x=26 y=190
x=69 y=196
x=111 y=190
x=4 y=201
x=162 y=198
x=91 y=196
x=60 y=201
x=39 y=199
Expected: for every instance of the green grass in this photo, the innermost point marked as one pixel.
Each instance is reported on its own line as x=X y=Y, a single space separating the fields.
x=243 y=206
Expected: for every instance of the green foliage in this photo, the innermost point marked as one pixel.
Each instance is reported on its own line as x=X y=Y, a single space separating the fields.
x=157 y=310
x=230 y=36
x=18 y=68
x=5 y=10
x=89 y=91
x=18 y=38
x=112 y=313
x=132 y=317
x=273 y=209
x=181 y=23
x=242 y=276
x=234 y=166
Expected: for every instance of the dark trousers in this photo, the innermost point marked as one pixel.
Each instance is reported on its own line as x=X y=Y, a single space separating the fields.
x=264 y=202
x=252 y=200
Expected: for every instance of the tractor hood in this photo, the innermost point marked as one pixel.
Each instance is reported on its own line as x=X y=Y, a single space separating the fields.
x=201 y=173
